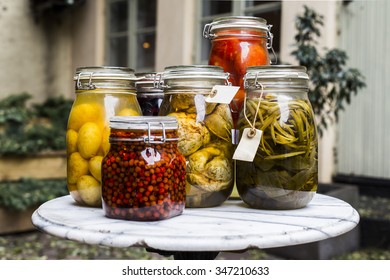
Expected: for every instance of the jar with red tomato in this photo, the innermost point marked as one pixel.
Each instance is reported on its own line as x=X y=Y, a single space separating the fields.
x=237 y=43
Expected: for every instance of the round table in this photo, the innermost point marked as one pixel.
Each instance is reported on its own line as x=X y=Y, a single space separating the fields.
x=200 y=233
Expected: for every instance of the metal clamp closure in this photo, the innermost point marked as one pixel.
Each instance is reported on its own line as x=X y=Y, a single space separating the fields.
x=228 y=83
x=151 y=140
x=90 y=85
x=206 y=31
x=270 y=40
x=256 y=83
x=157 y=81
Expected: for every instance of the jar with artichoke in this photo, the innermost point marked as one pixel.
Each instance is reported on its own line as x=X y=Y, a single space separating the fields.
x=283 y=174
x=204 y=131
x=101 y=92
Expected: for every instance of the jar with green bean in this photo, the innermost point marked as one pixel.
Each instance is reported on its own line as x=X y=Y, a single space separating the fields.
x=284 y=172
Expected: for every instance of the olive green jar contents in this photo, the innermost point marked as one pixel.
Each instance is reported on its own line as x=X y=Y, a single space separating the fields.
x=143 y=174
x=101 y=92
x=204 y=131
x=283 y=174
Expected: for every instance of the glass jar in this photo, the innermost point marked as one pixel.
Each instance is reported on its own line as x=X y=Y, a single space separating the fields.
x=143 y=173
x=148 y=95
x=283 y=174
x=204 y=131
x=101 y=92
x=238 y=42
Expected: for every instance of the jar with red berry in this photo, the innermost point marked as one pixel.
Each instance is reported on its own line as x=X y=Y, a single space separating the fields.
x=143 y=174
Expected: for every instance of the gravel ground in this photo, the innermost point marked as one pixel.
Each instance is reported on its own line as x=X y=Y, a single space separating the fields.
x=36 y=245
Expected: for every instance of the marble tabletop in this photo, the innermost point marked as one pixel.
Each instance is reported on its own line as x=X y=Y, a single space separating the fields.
x=232 y=226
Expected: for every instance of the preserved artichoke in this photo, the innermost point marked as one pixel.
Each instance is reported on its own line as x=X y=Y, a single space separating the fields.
x=192 y=135
x=209 y=169
x=220 y=122
x=205 y=141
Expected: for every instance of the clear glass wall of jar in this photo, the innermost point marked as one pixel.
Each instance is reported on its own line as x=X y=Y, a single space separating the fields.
x=238 y=42
x=101 y=92
x=204 y=131
x=143 y=174
x=149 y=96
x=284 y=172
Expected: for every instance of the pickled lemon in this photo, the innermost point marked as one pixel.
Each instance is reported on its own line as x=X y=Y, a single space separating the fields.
x=71 y=141
x=89 y=190
x=89 y=140
x=77 y=166
x=86 y=112
x=128 y=112
x=72 y=187
x=95 y=167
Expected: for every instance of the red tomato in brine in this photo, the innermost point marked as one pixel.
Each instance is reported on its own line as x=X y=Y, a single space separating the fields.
x=235 y=54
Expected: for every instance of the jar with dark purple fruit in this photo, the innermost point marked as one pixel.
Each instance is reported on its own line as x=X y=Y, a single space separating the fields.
x=143 y=174
x=149 y=96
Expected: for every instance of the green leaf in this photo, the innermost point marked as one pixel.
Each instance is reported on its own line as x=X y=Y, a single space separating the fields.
x=332 y=83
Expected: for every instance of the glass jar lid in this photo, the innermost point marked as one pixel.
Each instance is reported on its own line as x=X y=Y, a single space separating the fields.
x=146 y=82
x=276 y=76
x=89 y=78
x=143 y=122
x=193 y=76
x=234 y=22
x=152 y=124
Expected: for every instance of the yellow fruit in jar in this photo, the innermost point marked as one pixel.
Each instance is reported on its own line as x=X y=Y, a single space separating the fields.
x=77 y=166
x=89 y=140
x=71 y=141
x=85 y=112
x=90 y=190
x=128 y=112
x=95 y=167
x=72 y=187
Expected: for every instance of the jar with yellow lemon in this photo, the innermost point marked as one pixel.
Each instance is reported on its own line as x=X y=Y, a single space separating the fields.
x=101 y=93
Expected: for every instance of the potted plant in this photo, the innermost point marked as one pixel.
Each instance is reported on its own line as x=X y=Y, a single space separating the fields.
x=332 y=83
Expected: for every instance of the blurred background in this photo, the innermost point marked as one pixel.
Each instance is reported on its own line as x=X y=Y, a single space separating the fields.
x=44 y=41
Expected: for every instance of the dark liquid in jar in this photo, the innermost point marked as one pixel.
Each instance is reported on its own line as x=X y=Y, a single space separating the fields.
x=150 y=105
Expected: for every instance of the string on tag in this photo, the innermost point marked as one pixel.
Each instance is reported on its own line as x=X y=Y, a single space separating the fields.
x=252 y=132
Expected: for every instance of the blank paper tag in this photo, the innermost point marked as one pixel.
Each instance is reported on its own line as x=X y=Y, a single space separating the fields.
x=247 y=148
x=222 y=94
x=150 y=155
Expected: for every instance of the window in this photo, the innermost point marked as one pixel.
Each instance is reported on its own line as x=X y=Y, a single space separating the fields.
x=210 y=9
x=131 y=33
